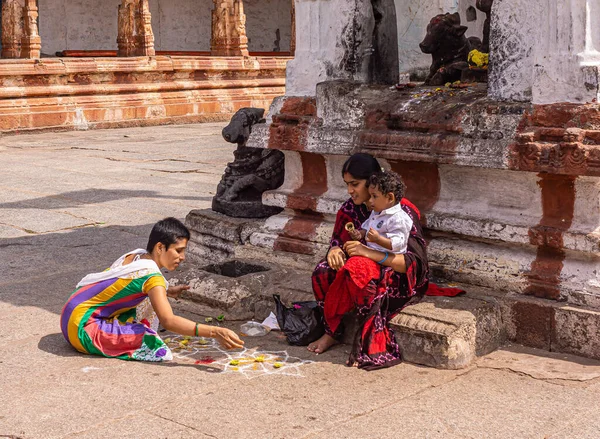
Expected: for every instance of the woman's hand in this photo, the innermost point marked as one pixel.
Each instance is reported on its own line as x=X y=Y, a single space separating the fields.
x=336 y=258
x=355 y=248
x=175 y=292
x=227 y=338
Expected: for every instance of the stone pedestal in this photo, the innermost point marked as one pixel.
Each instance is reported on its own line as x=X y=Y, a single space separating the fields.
x=545 y=51
x=509 y=191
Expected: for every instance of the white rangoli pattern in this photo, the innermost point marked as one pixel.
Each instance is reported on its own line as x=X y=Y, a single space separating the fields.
x=251 y=363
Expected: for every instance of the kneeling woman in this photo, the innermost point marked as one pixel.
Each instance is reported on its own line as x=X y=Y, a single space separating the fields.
x=108 y=312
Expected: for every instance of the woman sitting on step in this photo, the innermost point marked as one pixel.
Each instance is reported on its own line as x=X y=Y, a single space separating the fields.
x=115 y=313
x=378 y=285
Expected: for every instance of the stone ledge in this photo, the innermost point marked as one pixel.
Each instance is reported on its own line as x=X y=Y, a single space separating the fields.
x=62 y=66
x=215 y=237
x=248 y=296
x=551 y=325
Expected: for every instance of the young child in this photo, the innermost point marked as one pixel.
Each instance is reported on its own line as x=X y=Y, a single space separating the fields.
x=388 y=227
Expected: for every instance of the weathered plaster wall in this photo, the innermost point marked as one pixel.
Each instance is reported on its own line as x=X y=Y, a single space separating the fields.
x=181 y=24
x=177 y=24
x=413 y=18
x=263 y=18
x=78 y=24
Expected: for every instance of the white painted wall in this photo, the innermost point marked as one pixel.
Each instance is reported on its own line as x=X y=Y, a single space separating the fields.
x=177 y=24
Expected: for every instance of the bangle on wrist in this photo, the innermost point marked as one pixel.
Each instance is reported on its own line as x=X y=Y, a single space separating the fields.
x=196 y=331
x=384 y=259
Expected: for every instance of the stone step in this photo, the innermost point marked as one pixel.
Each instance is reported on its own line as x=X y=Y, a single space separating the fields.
x=450 y=332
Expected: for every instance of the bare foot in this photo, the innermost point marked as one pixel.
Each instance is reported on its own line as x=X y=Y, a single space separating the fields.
x=322 y=344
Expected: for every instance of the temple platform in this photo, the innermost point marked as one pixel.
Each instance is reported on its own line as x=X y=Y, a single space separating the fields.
x=107 y=92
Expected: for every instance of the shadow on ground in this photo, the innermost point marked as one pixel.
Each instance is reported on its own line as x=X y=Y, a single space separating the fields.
x=90 y=196
x=42 y=270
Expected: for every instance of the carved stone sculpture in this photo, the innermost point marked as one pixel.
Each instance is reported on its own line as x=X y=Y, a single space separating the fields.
x=254 y=170
x=449 y=48
x=370 y=43
x=31 y=43
x=228 y=35
x=135 y=29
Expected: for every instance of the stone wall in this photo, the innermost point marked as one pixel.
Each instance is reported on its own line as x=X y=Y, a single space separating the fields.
x=177 y=24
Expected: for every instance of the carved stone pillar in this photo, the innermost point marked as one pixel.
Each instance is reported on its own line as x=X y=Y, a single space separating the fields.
x=545 y=51
x=335 y=40
x=135 y=29
x=229 y=29
x=12 y=28
x=293 y=32
x=31 y=43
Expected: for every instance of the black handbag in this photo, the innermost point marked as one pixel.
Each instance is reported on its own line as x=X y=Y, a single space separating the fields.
x=302 y=323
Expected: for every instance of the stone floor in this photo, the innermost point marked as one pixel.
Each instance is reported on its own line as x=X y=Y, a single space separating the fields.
x=71 y=203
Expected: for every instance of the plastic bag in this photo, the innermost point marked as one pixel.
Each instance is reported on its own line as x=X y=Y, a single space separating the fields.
x=302 y=323
x=254 y=329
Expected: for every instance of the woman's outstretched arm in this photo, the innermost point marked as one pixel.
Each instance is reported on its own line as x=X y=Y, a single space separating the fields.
x=158 y=297
x=396 y=262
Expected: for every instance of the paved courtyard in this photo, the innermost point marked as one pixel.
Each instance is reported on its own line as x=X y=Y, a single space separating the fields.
x=71 y=203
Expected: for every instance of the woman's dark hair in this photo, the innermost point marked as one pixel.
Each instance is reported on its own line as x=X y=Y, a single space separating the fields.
x=388 y=181
x=361 y=166
x=167 y=231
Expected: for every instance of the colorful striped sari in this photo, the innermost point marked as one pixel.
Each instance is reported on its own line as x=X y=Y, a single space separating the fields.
x=101 y=318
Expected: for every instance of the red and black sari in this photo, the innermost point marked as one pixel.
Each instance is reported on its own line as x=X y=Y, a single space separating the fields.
x=377 y=293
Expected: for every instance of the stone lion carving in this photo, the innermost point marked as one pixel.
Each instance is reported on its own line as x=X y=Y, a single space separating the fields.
x=254 y=170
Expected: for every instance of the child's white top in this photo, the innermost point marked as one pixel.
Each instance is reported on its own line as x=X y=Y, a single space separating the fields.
x=394 y=224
